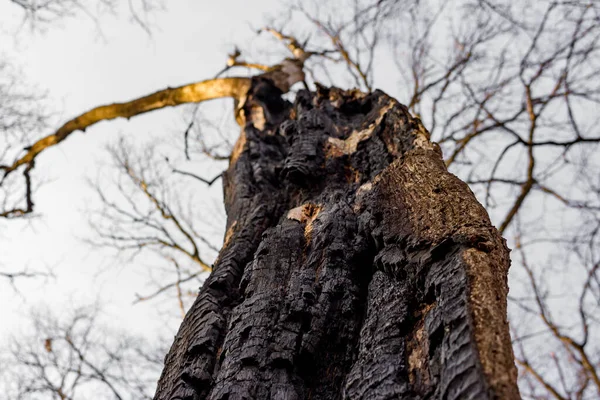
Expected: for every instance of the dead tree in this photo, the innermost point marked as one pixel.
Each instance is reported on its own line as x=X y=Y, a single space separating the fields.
x=354 y=265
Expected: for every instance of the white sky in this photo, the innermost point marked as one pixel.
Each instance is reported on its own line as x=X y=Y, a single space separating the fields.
x=79 y=69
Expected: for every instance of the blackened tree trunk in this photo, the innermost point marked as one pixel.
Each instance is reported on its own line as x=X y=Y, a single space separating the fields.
x=354 y=265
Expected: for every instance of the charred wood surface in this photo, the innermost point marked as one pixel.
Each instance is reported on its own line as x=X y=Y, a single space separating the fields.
x=354 y=265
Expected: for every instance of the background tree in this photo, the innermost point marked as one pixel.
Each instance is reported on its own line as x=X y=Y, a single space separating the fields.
x=73 y=356
x=154 y=212
x=38 y=15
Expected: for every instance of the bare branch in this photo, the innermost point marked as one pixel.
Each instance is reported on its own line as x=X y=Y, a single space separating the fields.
x=192 y=93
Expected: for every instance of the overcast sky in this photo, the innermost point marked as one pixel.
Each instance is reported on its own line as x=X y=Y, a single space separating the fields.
x=80 y=67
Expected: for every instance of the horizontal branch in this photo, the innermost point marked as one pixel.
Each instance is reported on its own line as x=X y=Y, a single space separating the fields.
x=192 y=93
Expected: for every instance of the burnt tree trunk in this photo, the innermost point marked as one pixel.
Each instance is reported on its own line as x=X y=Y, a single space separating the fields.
x=355 y=266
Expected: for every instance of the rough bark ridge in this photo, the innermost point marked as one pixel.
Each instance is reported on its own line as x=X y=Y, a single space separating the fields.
x=354 y=266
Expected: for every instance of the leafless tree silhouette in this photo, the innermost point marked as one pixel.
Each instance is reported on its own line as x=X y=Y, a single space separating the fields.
x=38 y=15
x=148 y=209
x=73 y=356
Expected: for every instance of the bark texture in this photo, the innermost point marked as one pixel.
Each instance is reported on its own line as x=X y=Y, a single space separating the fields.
x=354 y=266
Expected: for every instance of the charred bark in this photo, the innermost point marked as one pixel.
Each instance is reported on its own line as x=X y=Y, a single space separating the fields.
x=354 y=265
